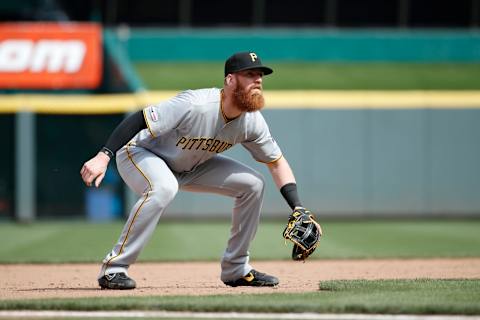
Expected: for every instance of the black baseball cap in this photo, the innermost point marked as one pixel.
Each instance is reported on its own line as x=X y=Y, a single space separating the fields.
x=244 y=61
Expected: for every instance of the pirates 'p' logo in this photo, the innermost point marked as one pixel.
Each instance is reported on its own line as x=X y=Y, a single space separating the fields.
x=253 y=56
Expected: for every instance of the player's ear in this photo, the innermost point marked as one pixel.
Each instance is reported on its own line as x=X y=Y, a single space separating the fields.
x=229 y=79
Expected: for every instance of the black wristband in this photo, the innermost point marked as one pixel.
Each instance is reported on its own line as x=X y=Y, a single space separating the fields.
x=108 y=152
x=290 y=194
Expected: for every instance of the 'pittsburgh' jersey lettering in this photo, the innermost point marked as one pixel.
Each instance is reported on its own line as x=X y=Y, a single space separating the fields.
x=189 y=129
x=206 y=144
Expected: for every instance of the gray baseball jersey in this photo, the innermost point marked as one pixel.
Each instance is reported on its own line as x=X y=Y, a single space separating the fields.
x=180 y=150
x=190 y=128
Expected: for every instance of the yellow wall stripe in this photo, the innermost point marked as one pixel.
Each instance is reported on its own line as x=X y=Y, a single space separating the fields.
x=308 y=99
x=374 y=99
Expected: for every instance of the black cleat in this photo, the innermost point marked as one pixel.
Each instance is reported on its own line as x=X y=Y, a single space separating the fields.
x=254 y=279
x=117 y=281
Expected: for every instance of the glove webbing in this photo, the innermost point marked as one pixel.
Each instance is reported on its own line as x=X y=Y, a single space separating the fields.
x=291 y=226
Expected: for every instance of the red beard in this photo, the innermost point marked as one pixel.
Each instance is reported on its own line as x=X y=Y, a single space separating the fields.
x=247 y=102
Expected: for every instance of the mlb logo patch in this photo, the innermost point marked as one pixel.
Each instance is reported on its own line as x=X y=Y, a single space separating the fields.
x=153 y=113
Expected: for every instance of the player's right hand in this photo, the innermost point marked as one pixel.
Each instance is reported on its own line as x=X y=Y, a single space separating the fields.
x=94 y=169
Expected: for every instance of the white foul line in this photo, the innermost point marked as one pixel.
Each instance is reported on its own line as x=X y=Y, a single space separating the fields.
x=223 y=315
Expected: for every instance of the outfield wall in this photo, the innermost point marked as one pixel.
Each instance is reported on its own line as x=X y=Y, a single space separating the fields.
x=379 y=162
x=383 y=156
x=354 y=153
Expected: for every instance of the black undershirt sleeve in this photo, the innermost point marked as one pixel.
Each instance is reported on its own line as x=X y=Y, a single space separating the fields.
x=125 y=131
x=290 y=193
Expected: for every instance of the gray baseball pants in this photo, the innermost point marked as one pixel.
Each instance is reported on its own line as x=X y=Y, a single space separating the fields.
x=150 y=177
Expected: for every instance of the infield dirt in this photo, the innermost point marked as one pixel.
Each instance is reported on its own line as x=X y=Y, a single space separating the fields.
x=33 y=281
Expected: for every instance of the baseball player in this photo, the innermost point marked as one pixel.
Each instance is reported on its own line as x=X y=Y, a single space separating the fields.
x=176 y=145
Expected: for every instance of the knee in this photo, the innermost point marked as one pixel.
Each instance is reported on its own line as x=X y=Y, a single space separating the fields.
x=162 y=195
x=255 y=184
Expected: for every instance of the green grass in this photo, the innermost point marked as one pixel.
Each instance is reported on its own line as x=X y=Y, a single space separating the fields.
x=181 y=241
x=321 y=76
x=420 y=296
x=50 y=242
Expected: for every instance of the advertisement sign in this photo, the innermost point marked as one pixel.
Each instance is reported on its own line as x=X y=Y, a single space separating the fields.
x=50 y=55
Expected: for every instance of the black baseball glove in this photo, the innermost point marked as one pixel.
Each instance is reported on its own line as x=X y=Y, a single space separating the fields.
x=304 y=232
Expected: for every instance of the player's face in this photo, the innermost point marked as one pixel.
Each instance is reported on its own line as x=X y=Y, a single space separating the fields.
x=251 y=80
x=248 y=91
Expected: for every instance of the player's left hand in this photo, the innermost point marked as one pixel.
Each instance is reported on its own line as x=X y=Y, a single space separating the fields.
x=94 y=169
x=304 y=232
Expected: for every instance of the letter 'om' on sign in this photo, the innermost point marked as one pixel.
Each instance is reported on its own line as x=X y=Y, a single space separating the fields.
x=50 y=56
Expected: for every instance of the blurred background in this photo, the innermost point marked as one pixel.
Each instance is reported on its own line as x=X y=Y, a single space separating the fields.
x=251 y=14
x=374 y=103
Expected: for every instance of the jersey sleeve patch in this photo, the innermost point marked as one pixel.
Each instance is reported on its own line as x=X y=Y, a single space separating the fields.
x=147 y=120
x=153 y=114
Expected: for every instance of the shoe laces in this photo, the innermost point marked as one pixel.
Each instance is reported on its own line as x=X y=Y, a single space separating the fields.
x=256 y=273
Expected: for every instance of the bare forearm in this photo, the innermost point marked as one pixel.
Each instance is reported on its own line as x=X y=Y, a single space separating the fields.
x=283 y=176
x=281 y=172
